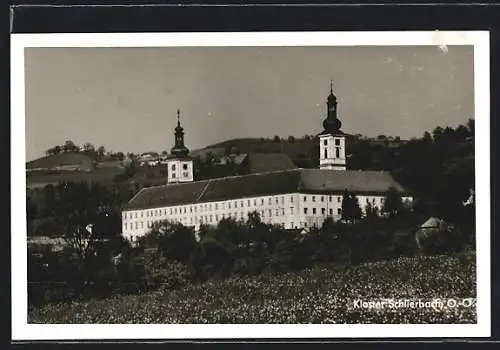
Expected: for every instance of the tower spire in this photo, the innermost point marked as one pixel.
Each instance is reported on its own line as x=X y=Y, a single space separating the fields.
x=179 y=148
x=332 y=123
x=180 y=165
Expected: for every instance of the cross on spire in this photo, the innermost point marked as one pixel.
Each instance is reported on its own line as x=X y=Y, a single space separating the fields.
x=331 y=86
x=178 y=117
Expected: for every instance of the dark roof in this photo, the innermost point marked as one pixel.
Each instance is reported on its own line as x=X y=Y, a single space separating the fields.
x=255 y=163
x=61 y=160
x=270 y=183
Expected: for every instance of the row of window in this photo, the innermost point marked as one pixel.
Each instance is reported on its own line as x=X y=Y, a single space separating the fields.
x=210 y=219
x=323 y=198
x=184 y=174
x=208 y=207
x=337 y=142
x=337 y=152
x=184 y=166
x=323 y=211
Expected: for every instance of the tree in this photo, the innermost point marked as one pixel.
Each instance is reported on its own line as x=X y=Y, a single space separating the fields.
x=371 y=212
x=120 y=156
x=427 y=136
x=328 y=225
x=54 y=150
x=82 y=240
x=31 y=213
x=291 y=138
x=89 y=150
x=471 y=126
x=393 y=203
x=88 y=147
x=351 y=211
x=437 y=133
x=100 y=152
x=69 y=146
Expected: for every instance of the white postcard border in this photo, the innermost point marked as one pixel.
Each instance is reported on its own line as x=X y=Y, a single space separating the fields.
x=21 y=330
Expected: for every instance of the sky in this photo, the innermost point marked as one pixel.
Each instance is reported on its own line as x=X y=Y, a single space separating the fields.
x=126 y=98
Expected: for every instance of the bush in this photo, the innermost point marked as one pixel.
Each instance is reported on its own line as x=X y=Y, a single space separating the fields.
x=323 y=294
x=175 y=275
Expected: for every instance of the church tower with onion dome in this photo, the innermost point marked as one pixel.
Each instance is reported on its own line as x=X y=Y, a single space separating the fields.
x=332 y=139
x=180 y=164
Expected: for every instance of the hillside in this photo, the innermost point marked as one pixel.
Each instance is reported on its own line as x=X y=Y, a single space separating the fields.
x=62 y=161
x=323 y=294
x=302 y=151
x=71 y=167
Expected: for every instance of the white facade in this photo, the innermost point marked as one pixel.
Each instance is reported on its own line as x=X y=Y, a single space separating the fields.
x=332 y=152
x=292 y=210
x=180 y=170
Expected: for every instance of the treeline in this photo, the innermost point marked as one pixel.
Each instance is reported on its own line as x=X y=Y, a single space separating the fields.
x=172 y=255
x=58 y=210
x=97 y=154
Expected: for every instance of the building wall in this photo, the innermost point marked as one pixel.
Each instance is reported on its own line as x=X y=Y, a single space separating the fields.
x=329 y=157
x=292 y=210
x=180 y=170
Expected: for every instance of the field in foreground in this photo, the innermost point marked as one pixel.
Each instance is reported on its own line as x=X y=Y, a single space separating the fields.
x=323 y=294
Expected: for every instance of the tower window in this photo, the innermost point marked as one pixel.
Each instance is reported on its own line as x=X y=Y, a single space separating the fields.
x=337 y=152
x=325 y=142
x=184 y=166
x=337 y=142
x=326 y=153
x=173 y=167
x=305 y=210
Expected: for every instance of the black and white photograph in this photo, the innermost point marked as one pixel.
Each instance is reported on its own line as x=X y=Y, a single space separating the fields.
x=252 y=179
